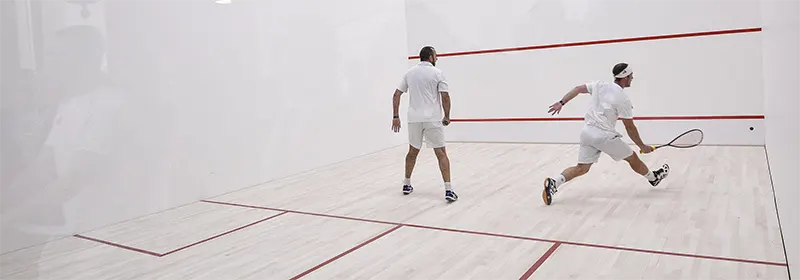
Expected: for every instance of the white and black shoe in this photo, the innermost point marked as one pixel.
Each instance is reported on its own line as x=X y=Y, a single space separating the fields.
x=407 y=189
x=450 y=196
x=549 y=190
x=660 y=174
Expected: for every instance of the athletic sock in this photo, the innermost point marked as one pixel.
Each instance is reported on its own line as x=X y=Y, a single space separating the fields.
x=650 y=176
x=447 y=186
x=407 y=182
x=560 y=180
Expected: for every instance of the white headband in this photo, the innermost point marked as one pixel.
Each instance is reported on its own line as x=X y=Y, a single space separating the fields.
x=627 y=72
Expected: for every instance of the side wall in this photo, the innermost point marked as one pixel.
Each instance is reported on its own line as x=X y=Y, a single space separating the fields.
x=711 y=82
x=191 y=100
x=781 y=43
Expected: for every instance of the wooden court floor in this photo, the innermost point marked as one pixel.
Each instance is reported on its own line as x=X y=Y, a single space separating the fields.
x=712 y=218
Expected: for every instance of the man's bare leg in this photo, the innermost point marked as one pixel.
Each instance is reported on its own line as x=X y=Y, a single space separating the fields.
x=444 y=164
x=575 y=171
x=411 y=161
x=638 y=166
x=551 y=184
x=654 y=176
x=444 y=167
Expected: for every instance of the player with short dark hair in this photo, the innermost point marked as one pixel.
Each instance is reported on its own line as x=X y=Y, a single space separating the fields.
x=428 y=114
x=427 y=53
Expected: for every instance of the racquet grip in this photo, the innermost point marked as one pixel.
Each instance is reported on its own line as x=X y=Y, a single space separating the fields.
x=654 y=148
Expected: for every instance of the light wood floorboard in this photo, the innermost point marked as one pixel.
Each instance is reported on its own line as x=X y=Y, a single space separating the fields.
x=717 y=201
x=571 y=262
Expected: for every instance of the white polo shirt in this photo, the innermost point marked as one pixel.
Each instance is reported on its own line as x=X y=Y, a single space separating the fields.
x=609 y=102
x=423 y=82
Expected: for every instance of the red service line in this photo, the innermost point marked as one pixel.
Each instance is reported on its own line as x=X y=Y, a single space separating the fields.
x=181 y=248
x=146 y=252
x=648 y=118
x=224 y=233
x=346 y=252
x=539 y=262
x=509 y=236
x=600 y=42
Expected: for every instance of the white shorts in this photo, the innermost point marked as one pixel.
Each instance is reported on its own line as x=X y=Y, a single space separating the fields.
x=433 y=132
x=594 y=141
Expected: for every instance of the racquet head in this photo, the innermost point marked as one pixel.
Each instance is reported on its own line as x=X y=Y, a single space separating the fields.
x=687 y=139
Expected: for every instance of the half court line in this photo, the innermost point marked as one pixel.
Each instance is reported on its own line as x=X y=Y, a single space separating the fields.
x=362 y=244
x=541 y=261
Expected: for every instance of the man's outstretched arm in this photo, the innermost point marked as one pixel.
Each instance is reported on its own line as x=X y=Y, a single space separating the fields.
x=626 y=114
x=556 y=107
x=633 y=132
x=573 y=93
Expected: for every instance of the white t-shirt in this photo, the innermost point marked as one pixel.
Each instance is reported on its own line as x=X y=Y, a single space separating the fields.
x=609 y=102
x=424 y=82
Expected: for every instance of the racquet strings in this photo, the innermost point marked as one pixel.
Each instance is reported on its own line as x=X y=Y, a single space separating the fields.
x=688 y=139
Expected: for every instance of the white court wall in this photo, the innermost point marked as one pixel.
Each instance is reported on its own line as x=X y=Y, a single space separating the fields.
x=191 y=100
x=711 y=76
x=781 y=42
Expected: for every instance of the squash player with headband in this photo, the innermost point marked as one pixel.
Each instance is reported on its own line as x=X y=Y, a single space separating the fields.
x=608 y=103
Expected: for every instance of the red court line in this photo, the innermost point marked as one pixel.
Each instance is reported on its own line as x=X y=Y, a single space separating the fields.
x=600 y=246
x=539 y=262
x=299 y=212
x=119 y=245
x=647 y=118
x=600 y=42
x=512 y=236
x=181 y=248
x=223 y=234
x=673 y=253
x=346 y=252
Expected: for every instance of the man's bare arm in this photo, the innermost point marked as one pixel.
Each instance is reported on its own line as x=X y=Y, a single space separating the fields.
x=445 y=103
x=633 y=132
x=573 y=93
x=396 y=102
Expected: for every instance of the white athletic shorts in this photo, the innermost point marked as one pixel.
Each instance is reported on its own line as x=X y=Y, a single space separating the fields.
x=432 y=132
x=594 y=141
